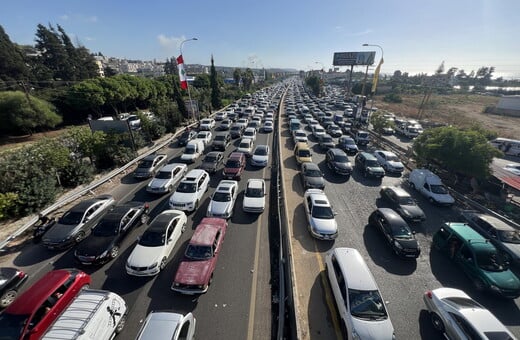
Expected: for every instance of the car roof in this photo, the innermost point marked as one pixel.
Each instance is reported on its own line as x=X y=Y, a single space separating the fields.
x=120 y=210
x=337 y=151
x=368 y=155
x=84 y=205
x=310 y=166
x=236 y=155
x=40 y=291
x=398 y=191
x=318 y=197
x=213 y=153
x=152 y=157
x=160 y=323
x=470 y=236
x=161 y=221
x=171 y=166
x=225 y=185
x=482 y=320
x=386 y=153
x=255 y=183
x=391 y=216
x=354 y=269
x=495 y=222
x=206 y=230
x=193 y=174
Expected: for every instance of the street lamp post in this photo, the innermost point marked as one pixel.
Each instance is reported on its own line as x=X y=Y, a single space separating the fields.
x=187 y=83
x=382 y=54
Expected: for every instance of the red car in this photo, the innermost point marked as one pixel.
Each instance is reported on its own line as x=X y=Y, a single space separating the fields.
x=32 y=313
x=234 y=166
x=195 y=271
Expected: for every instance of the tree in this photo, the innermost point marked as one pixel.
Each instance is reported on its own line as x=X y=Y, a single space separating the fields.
x=315 y=84
x=216 y=98
x=247 y=78
x=464 y=151
x=52 y=53
x=12 y=63
x=23 y=113
x=237 y=76
x=109 y=71
x=379 y=122
x=202 y=81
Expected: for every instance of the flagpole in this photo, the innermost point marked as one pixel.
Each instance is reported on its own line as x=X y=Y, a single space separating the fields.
x=379 y=68
x=187 y=82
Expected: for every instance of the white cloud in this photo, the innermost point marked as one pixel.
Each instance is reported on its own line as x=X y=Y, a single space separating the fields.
x=170 y=44
x=89 y=39
x=357 y=34
x=64 y=17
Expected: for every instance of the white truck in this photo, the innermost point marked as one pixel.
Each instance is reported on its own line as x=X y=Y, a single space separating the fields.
x=430 y=186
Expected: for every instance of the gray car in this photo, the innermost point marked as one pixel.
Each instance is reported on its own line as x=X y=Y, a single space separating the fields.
x=212 y=161
x=312 y=177
x=77 y=223
x=221 y=141
x=149 y=165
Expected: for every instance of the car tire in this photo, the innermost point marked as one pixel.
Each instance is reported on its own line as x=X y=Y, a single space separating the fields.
x=162 y=265
x=412 y=185
x=144 y=218
x=114 y=252
x=121 y=324
x=8 y=298
x=79 y=237
x=437 y=322
x=183 y=229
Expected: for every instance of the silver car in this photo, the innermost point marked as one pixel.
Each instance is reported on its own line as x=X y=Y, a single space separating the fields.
x=167 y=325
x=320 y=216
x=457 y=316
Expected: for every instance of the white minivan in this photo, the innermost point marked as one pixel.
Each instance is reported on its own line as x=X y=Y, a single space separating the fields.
x=92 y=315
x=430 y=186
x=358 y=299
x=193 y=150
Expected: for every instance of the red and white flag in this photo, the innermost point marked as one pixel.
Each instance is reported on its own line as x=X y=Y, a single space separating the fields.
x=182 y=73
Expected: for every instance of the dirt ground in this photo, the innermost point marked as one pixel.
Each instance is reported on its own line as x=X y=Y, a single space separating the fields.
x=459 y=110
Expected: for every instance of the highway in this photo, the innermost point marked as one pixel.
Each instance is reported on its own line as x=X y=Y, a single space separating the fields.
x=238 y=302
x=402 y=282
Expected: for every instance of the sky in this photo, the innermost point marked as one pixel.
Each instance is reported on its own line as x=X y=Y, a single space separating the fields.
x=416 y=36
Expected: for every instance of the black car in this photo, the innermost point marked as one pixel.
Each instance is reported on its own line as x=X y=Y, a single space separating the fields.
x=326 y=142
x=337 y=161
x=396 y=232
x=221 y=141
x=186 y=136
x=312 y=177
x=11 y=279
x=368 y=165
x=212 y=161
x=403 y=203
x=348 y=145
x=236 y=131
x=102 y=245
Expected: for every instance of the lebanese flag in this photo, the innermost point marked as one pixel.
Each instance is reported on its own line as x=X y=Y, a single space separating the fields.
x=182 y=73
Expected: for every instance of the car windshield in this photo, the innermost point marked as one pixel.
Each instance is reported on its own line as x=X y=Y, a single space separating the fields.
x=509 y=236
x=304 y=153
x=341 y=159
x=301 y=134
x=12 y=325
x=71 y=218
x=198 y=252
x=202 y=135
x=235 y=128
x=163 y=175
x=210 y=159
x=219 y=137
x=491 y=260
x=406 y=201
x=189 y=151
x=249 y=133
x=349 y=142
x=221 y=197
x=392 y=158
x=185 y=135
x=106 y=228
x=254 y=192
x=401 y=231
x=326 y=139
x=261 y=151
x=322 y=212
x=372 y=163
x=232 y=163
x=244 y=145
x=152 y=238
x=145 y=164
x=187 y=187
x=366 y=304
x=313 y=173
x=439 y=189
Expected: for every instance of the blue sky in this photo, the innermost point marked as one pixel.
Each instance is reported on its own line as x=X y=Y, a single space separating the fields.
x=416 y=35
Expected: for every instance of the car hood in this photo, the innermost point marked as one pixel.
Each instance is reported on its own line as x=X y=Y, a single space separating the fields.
x=376 y=169
x=504 y=279
x=315 y=180
x=143 y=256
x=408 y=243
x=396 y=165
x=254 y=202
x=59 y=232
x=324 y=226
x=208 y=165
x=443 y=198
x=183 y=197
x=158 y=183
x=258 y=158
x=193 y=272
x=373 y=329
x=514 y=250
x=412 y=211
x=143 y=171
x=94 y=245
x=189 y=156
x=343 y=166
x=219 y=207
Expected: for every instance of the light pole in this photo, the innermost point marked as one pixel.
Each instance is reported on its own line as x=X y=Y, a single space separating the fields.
x=376 y=73
x=187 y=83
x=382 y=52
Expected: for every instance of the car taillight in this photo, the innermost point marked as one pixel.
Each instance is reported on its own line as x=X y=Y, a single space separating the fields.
x=20 y=274
x=429 y=294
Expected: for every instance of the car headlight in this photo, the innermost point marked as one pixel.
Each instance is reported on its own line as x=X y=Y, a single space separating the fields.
x=153 y=265
x=398 y=245
x=102 y=255
x=200 y=286
x=405 y=212
x=494 y=288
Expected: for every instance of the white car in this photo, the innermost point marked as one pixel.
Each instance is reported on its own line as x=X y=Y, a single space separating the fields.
x=300 y=136
x=250 y=133
x=167 y=325
x=268 y=126
x=260 y=156
x=254 y=196
x=242 y=122
x=155 y=245
x=513 y=168
x=205 y=137
x=454 y=313
x=389 y=161
x=318 y=130
x=245 y=146
x=190 y=190
x=223 y=199
x=207 y=124
x=166 y=178
x=220 y=115
x=320 y=216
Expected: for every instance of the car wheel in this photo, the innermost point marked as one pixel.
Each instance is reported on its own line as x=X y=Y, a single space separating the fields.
x=196 y=205
x=412 y=185
x=431 y=200
x=183 y=229
x=163 y=263
x=479 y=285
x=79 y=237
x=210 y=279
x=437 y=322
x=121 y=324
x=365 y=174
x=8 y=298
x=144 y=218
x=114 y=252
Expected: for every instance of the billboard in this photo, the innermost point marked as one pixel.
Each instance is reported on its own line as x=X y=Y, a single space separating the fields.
x=353 y=58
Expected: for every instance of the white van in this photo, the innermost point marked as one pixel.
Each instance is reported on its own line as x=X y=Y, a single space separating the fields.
x=193 y=150
x=507 y=146
x=430 y=186
x=92 y=315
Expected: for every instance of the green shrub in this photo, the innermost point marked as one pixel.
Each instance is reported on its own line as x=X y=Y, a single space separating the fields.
x=76 y=173
x=393 y=98
x=8 y=202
